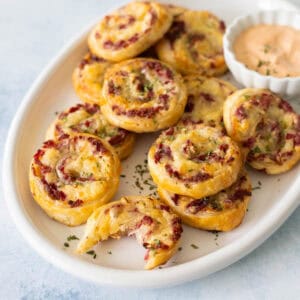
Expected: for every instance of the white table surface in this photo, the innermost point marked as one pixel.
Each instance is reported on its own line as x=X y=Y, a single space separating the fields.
x=31 y=33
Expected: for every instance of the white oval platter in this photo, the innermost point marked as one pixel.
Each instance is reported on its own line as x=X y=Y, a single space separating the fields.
x=120 y=262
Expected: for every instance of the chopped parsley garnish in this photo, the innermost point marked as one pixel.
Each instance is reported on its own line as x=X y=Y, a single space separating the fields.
x=268 y=148
x=72 y=238
x=262 y=62
x=109 y=252
x=66 y=244
x=92 y=253
x=216 y=205
x=256 y=150
x=148 y=87
x=194 y=246
x=157 y=242
x=256 y=188
x=267 y=48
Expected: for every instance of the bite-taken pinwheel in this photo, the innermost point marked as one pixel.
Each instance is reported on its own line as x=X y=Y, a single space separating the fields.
x=72 y=176
x=143 y=95
x=88 y=78
x=223 y=211
x=194 y=44
x=194 y=160
x=87 y=118
x=128 y=31
x=151 y=221
x=265 y=125
x=206 y=97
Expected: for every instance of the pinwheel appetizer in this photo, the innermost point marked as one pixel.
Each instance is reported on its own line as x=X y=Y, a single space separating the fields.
x=222 y=212
x=194 y=44
x=87 y=118
x=129 y=31
x=206 y=97
x=72 y=176
x=143 y=95
x=88 y=78
x=194 y=160
x=152 y=222
x=266 y=126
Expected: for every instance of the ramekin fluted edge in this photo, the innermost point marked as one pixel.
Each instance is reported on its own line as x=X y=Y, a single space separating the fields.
x=287 y=86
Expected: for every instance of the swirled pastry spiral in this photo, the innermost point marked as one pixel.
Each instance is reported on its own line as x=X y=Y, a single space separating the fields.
x=72 y=176
x=266 y=126
x=206 y=97
x=152 y=222
x=194 y=44
x=222 y=212
x=130 y=30
x=88 y=78
x=87 y=118
x=143 y=95
x=194 y=160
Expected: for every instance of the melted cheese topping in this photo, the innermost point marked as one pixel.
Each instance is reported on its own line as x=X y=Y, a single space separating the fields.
x=194 y=160
x=88 y=78
x=194 y=44
x=270 y=50
x=72 y=176
x=143 y=95
x=266 y=126
x=206 y=98
x=87 y=118
x=129 y=31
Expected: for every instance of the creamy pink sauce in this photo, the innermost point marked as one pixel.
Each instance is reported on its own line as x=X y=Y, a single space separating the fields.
x=270 y=50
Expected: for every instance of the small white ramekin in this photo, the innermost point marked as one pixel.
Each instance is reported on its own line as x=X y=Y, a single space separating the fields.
x=288 y=86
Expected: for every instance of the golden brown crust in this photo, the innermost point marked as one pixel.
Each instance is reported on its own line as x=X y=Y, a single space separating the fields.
x=87 y=118
x=88 y=78
x=206 y=97
x=129 y=31
x=266 y=127
x=152 y=222
x=72 y=176
x=175 y=10
x=194 y=160
x=194 y=44
x=143 y=95
x=222 y=212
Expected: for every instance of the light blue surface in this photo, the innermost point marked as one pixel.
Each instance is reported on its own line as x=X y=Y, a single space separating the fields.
x=32 y=32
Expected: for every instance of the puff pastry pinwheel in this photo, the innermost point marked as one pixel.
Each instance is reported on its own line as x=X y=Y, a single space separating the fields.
x=72 y=176
x=143 y=95
x=222 y=212
x=206 y=97
x=129 y=31
x=87 y=118
x=88 y=78
x=152 y=222
x=266 y=126
x=194 y=44
x=194 y=160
